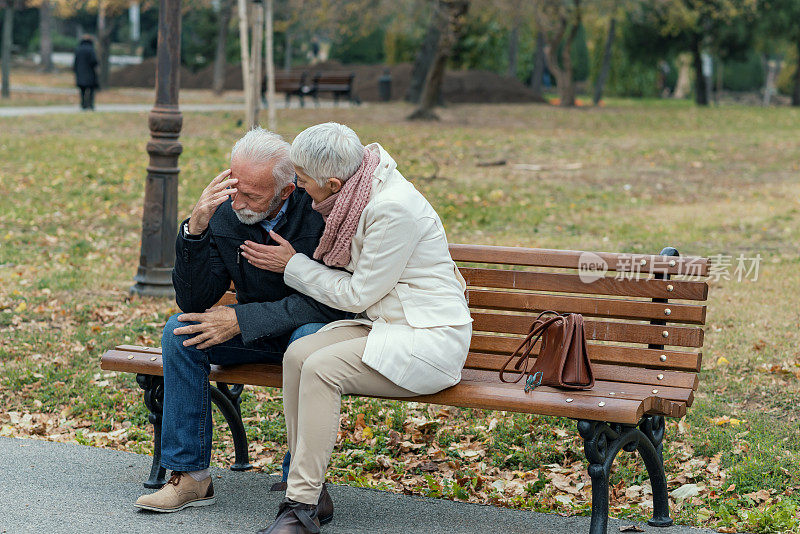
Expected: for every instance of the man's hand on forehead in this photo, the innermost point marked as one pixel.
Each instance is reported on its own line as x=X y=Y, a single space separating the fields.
x=215 y=193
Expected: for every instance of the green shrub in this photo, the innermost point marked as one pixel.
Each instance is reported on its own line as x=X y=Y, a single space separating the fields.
x=744 y=75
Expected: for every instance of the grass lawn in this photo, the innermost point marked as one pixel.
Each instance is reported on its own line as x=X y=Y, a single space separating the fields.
x=707 y=181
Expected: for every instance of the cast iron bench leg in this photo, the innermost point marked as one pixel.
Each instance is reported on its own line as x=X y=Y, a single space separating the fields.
x=602 y=443
x=228 y=400
x=153 y=387
x=651 y=450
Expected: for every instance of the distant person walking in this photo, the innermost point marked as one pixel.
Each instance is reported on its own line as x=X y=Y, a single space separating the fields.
x=85 y=75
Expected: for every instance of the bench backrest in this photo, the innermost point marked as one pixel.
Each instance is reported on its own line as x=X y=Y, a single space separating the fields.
x=643 y=312
x=289 y=82
x=328 y=80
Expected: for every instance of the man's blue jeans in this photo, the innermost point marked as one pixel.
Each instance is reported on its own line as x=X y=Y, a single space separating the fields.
x=186 y=425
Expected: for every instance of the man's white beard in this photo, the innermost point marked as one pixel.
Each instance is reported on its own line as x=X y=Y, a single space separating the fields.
x=247 y=216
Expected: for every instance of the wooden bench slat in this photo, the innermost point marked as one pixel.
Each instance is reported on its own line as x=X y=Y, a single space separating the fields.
x=571 y=259
x=571 y=283
x=601 y=388
x=478 y=395
x=227 y=298
x=587 y=306
x=139 y=348
x=682 y=336
x=617 y=354
x=145 y=362
x=602 y=371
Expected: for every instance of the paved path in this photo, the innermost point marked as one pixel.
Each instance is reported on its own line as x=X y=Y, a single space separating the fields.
x=22 y=111
x=44 y=90
x=65 y=488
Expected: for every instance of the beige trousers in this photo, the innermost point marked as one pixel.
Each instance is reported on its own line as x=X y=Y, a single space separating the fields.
x=317 y=370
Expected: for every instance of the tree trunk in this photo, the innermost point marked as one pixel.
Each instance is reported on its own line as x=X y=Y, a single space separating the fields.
x=135 y=18
x=538 y=66
x=796 y=92
x=104 y=31
x=8 y=30
x=425 y=55
x=700 y=92
x=287 y=60
x=46 y=35
x=773 y=67
x=604 y=70
x=513 y=45
x=682 y=85
x=245 y=50
x=453 y=11
x=555 y=21
x=256 y=58
x=220 y=58
x=567 y=94
x=562 y=73
x=269 y=62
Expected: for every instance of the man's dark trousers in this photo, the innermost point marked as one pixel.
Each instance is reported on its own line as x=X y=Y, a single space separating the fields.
x=186 y=428
x=87 y=97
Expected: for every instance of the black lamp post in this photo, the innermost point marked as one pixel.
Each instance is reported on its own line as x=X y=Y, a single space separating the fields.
x=159 y=219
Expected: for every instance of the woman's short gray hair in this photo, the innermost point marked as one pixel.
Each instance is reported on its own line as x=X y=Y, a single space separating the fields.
x=261 y=146
x=328 y=150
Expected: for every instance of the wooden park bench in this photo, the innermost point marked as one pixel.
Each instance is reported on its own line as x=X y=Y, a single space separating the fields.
x=339 y=85
x=635 y=305
x=290 y=84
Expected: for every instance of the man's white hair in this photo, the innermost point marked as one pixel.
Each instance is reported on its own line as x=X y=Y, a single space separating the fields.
x=328 y=150
x=261 y=146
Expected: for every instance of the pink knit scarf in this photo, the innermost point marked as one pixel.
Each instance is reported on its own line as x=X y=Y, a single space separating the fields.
x=342 y=222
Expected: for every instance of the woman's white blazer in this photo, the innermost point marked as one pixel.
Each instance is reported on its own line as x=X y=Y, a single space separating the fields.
x=402 y=282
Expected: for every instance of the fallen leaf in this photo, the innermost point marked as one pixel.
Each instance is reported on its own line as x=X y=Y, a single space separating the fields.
x=686 y=491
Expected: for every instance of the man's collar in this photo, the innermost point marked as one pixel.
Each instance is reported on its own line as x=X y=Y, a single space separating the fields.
x=282 y=211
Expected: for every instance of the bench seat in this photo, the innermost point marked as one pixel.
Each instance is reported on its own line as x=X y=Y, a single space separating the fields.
x=623 y=402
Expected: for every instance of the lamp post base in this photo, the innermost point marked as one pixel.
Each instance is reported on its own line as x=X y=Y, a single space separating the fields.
x=153 y=282
x=152 y=290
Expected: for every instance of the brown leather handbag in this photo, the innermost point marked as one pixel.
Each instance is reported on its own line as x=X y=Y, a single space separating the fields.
x=563 y=361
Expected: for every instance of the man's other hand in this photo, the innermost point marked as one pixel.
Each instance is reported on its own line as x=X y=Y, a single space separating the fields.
x=216 y=325
x=213 y=195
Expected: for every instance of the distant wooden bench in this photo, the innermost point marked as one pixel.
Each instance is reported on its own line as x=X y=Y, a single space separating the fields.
x=339 y=85
x=634 y=308
x=290 y=84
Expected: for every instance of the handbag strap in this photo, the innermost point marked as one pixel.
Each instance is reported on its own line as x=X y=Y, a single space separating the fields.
x=537 y=330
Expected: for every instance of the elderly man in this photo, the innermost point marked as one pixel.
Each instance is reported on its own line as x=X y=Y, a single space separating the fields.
x=241 y=205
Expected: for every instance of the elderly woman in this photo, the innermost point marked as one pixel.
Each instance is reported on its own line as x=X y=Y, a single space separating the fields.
x=383 y=255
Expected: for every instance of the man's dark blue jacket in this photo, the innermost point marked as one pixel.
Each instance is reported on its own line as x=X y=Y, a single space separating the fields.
x=267 y=308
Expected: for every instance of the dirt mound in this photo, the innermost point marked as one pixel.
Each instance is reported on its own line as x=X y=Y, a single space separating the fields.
x=141 y=75
x=474 y=86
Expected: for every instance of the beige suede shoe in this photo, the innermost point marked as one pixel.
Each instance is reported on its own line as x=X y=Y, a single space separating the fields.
x=179 y=492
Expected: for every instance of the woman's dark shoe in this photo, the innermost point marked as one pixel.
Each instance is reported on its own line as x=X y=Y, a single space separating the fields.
x=294 y=518
x=324 y=505
x=278 y=486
